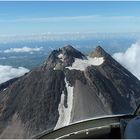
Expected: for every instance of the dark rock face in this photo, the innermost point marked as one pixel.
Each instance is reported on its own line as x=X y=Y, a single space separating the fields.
x=59 y=59
x=99 y=52
x=33 y=103
x=34 y=99
x=8 y=83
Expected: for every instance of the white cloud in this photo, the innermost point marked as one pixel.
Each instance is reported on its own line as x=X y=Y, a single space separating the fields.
x=65 y=36
x=2 y=58
x=53 y=19
x=130 y=59
x=73 y=18
x=9 y=72
x=23 y=49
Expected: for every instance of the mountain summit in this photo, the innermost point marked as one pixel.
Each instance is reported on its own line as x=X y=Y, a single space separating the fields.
x=67 y=88
x=59 y=59
x=99 y=52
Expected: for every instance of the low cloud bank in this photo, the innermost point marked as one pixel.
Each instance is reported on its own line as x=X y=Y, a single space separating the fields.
x=66 y=36
x=23 y=49
x=9 y=72
x=130 y=59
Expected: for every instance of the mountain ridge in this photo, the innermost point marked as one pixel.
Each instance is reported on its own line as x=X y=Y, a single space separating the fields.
x=61 y=92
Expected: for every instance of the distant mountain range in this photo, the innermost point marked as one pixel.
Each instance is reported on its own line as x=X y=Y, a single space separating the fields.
x=68 y=87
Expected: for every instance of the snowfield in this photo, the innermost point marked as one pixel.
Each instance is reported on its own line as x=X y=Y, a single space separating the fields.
x=61 y=57
x=65 y=113
x=80 y=64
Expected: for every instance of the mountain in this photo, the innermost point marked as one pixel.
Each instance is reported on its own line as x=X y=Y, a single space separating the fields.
x=68 y=87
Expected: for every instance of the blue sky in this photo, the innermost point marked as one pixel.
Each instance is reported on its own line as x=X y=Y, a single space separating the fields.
x=42 y=17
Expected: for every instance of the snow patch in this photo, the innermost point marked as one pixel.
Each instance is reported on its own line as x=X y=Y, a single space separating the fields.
x=61 y=57
x=65 y=113
x=80 y=64
x=4 y=89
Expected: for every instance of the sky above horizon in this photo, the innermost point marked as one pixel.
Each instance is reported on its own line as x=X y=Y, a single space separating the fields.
x=24 y=18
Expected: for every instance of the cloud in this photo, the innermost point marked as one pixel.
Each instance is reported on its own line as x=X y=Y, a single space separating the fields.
x=23 y=49
x=54 y=19
x=65 y=36
x=2 y=58
x=9 y=72
x=73 y=18
x=95 y=23
x=130 y=59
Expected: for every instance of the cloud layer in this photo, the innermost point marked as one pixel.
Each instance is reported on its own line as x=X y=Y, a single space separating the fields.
x=23 y=49
x=130 y=59
x=65 y=36
x=86 y=18
x=8 y=72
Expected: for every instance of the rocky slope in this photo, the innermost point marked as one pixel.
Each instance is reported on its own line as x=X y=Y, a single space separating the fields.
x=68 y=87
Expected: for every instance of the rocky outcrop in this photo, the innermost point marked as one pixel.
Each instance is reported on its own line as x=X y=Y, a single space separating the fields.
x=59 y=59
